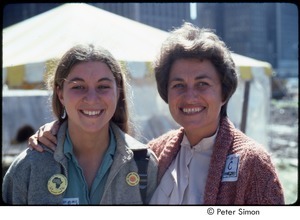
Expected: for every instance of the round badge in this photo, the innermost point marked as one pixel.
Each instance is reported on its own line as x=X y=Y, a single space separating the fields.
x=132 y=179
x=57 y=184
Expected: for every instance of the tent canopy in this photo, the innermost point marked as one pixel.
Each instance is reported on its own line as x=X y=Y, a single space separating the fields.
x=47 y=36
x=50 y=34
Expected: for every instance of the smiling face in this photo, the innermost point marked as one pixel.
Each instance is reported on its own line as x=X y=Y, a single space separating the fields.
x=90 y=96
x=195 y=97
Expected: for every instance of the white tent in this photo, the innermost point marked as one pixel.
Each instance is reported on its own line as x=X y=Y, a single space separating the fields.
x=50 y=34
x=29 y=46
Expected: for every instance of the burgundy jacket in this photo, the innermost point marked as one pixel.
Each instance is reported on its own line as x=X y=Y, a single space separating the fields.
x=257 y=181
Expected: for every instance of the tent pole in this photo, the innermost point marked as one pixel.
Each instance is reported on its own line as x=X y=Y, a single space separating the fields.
x=245 y=106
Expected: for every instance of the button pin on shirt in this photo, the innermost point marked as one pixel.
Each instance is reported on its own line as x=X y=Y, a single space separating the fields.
x=57 y=184
x=132 y=179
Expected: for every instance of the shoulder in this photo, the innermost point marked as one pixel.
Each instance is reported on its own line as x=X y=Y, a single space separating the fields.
x=22 y=159
x=240 y=141
x=250 y=151
x=256 y=163
x=169 y=137
x=254 y=158
x=248 y=144
x=130 y=143
x=123 y=138
x=167 y=143
x=136 y=146
x=28 y=160
x=29 y=156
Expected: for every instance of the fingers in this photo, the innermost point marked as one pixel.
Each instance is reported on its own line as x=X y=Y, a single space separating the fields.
x=46 y=136
x=55 y=128
x=49 y=131
x=33 y=143
x=48 y=141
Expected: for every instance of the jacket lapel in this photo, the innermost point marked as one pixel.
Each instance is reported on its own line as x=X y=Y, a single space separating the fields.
x=169 y=153
x=223 y=143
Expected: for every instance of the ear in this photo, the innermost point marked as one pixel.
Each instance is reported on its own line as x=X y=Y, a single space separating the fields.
x=60 y=96
x=223 y=102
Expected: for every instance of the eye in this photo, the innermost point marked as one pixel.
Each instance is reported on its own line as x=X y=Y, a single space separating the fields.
x=177 y=86
x=202 y=84
x=103 y=87
x=77 y=87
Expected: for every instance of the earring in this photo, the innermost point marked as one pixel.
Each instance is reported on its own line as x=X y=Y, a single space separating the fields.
x=64 y=114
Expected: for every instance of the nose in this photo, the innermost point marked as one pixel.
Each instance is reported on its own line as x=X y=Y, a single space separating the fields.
x=91 y=96
x=191 y=95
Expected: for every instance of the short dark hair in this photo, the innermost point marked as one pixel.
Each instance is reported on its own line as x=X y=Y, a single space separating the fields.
x=190 y=41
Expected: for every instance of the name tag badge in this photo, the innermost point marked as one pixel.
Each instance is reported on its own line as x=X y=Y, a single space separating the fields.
x=70 y=201
x=231 y=170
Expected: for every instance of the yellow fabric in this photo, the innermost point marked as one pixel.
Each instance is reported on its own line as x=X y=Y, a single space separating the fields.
x=15 y=75
x=245 y=72
x=268 y=71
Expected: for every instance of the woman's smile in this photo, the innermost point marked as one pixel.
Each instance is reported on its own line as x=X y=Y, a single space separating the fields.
x=191 y=110
x=93 y=114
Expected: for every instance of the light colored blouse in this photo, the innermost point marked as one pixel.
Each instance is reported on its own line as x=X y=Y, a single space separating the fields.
x=185 y=179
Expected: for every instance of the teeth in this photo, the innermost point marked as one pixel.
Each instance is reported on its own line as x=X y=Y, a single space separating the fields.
x=191 y=110
x=91 y=112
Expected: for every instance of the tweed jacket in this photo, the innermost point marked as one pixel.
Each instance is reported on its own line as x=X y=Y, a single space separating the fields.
x=255 y=182
x=26 y=180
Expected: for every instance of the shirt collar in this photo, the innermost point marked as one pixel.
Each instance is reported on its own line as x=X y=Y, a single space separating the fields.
x=204 y=144
x=68 y=146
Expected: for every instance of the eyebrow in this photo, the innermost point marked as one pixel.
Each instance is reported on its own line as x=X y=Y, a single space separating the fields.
x=203 y=77
x=82 y=80
x=196 y=78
